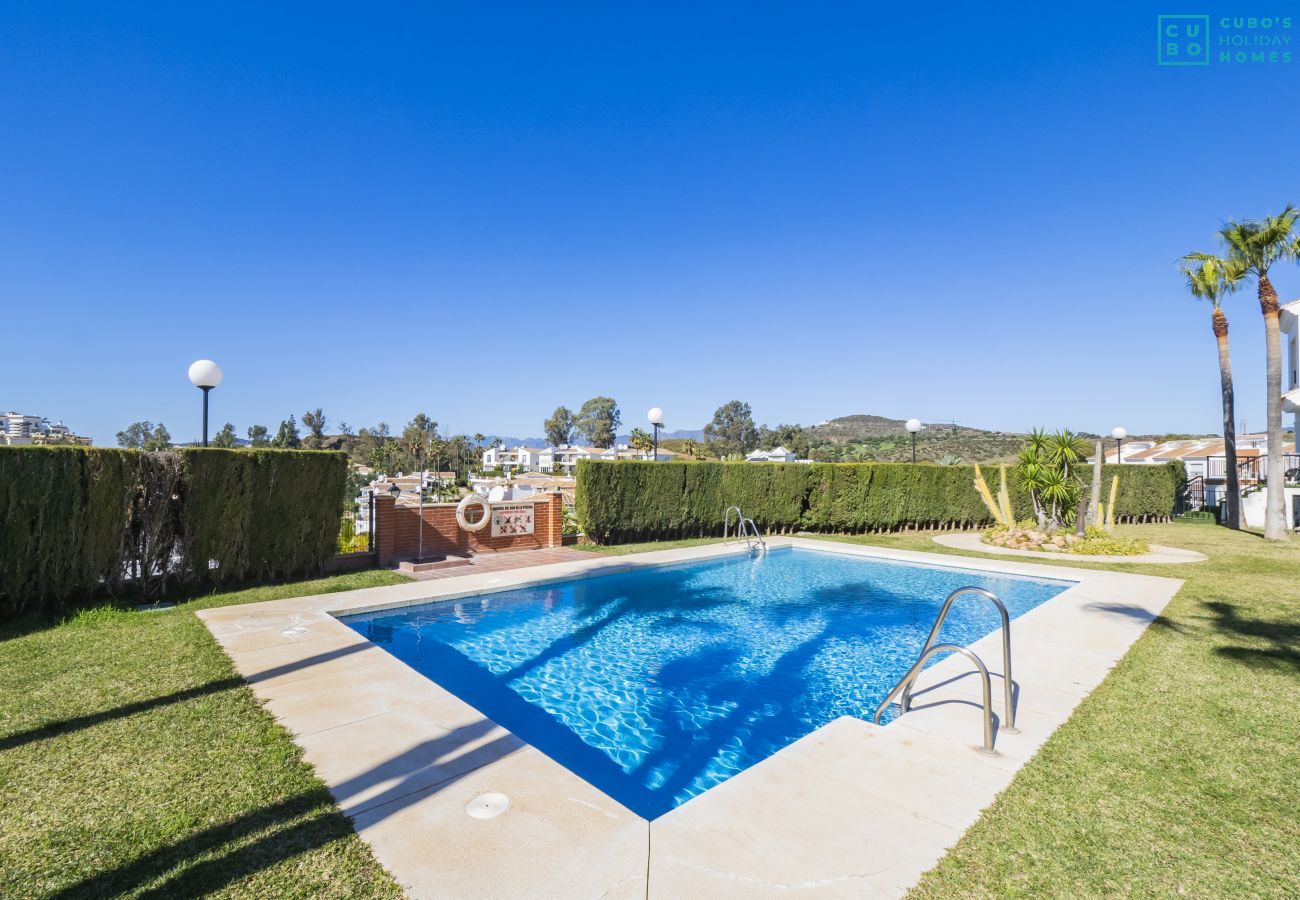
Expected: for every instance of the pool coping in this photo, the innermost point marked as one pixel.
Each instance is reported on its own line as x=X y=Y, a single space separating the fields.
x=853 y=809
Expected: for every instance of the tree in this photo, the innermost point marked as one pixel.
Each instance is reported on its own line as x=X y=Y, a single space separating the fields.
x=794 y=438
x=598 y=421
x=257 y=435
x=314 y=421
x=1255 y=247
x=462 y=454
x=225 y=437
x=640 y=440
x=691 y=447
x=159 y=439
x=559 y=427
x=287 y=437
x=732 y=428
x=1210 y=278
x=419 y=438
x=135 y=435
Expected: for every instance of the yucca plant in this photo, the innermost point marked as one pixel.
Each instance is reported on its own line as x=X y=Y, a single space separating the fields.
x=1255 y=246
x=1048 y=468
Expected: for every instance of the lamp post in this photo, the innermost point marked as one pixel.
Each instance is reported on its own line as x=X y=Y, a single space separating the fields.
x=1119 y=434
x=205 y=375
x=913 y=426
x=656 y=417
x=419 y=487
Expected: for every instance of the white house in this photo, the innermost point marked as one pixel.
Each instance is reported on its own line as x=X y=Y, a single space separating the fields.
x=780 y=454
x=1206 y=462
x=1289 y=319
x=565 y=458
x=522 y=459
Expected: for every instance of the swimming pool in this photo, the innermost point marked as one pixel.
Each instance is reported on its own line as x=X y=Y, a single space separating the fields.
x=656 y=684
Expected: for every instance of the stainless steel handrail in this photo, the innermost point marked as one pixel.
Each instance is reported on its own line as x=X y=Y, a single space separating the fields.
x=916 y=670
x=1009 y=713
x=757 y=535
x=726 y=521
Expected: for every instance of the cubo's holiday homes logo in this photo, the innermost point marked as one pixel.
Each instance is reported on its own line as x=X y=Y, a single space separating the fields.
x=1196 y=40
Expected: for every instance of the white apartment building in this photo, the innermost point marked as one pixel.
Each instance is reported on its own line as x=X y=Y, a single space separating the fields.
x=17 y=429
x=562 y=460
x=520 y=459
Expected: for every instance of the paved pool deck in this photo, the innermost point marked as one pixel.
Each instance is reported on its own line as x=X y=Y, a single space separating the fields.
x=851 y=810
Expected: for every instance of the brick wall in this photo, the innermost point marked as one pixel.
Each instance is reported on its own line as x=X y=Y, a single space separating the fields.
x=397 y=530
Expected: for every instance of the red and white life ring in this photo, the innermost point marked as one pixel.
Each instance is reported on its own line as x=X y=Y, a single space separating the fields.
x=466 y=502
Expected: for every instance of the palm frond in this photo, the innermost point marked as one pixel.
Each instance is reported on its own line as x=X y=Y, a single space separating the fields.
x=1256 y=244
x=1210 y=277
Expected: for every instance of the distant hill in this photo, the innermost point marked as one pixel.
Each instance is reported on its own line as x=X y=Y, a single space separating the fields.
x=880 y=439
x=511 y=442
x=693 y=434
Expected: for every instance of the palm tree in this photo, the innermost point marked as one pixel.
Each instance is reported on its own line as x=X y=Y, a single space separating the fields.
x=1255 y=247
x=1210 y=278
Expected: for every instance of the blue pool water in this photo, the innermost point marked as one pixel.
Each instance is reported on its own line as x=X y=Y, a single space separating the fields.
x=656 y=685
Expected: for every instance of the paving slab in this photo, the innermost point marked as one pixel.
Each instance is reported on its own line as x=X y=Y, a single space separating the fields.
x=852 y=810
x=560 y=837
x=377 y=760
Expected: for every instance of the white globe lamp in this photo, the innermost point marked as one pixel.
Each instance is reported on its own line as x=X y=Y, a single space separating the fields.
x=913 y=426
x=656 y=419
x=205 y=375
x=1119 y=433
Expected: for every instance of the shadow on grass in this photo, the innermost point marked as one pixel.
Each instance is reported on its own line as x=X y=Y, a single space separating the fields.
x=78 y=723
x=1276 y=644
x=275 y=840
x=262 y=838
x=67 y=726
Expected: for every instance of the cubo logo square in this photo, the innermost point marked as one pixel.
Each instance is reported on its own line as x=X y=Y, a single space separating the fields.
x=1183 y=40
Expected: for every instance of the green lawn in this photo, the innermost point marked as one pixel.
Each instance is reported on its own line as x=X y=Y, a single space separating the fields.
x=1180 y=774
x=134 y=761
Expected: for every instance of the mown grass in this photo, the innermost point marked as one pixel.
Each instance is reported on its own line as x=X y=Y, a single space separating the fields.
x=135 y=762
x=1180 y=774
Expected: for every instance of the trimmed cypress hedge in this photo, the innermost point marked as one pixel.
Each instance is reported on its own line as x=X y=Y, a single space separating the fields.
x=627 y=501
x=81 y=521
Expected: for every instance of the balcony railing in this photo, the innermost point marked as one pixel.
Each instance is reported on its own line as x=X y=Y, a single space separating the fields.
x=1251 y=470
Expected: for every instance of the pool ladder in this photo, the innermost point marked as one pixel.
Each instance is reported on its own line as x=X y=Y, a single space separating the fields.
x=745 y=528
x=902 y=692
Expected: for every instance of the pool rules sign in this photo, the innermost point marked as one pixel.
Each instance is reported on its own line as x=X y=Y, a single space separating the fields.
x=509 y=519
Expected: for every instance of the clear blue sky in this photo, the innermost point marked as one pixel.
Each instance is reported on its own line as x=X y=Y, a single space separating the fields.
x=482 y=211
